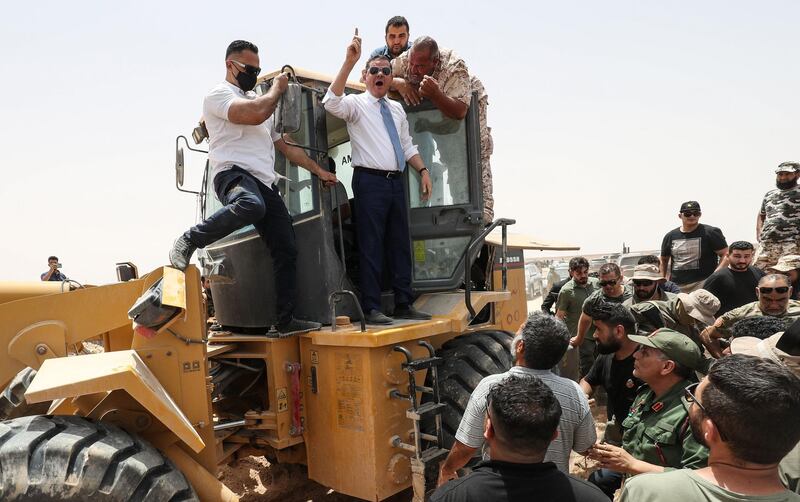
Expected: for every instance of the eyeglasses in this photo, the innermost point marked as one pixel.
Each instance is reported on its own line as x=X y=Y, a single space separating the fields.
x=688 y=394
x=252 y=70
x=779 y=289
x=612 y=282
x=689 y=214
x=643 y=282
x=373 y=70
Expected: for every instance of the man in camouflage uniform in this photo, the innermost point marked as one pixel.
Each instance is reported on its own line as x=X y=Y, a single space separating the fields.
x=440 y=75
x=656 y=433
x=687 y=314
x=774 y=292
x=778 y=223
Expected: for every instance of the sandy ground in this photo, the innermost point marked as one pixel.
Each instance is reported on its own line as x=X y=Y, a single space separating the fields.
x=255 y=479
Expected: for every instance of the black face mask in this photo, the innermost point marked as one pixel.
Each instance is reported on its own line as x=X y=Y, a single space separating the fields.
x=786 y=185
x=246 y=81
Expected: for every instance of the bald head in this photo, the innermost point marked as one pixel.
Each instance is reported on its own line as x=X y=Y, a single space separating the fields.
x=774 y=280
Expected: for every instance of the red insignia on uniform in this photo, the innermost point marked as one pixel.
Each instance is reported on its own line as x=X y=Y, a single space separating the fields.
x=657 y=406
x=629 y=383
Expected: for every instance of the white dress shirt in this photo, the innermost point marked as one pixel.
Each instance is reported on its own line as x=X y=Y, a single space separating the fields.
x=369 y=139
x=250 y=147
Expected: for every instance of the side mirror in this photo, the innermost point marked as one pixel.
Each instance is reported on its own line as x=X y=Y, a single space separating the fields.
x=179 y=166
x=289 y=112
x=127 y=271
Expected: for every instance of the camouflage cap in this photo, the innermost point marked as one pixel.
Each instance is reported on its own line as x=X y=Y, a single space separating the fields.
x=700 y=304
x=787 y=263
x=788 y=167
x=646 y=272
x=677 y=346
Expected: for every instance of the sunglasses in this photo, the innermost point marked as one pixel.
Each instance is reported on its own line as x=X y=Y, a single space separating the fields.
x=643 y=282
x=373 y=70
x=779 y=289
x=612 y=282
x=689 y=396
x=689 y=214
x=251 y=70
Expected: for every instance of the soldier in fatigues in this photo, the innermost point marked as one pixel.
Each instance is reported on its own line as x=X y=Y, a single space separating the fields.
x=774 y=293
x=443 y=77
x=778 y=223
x=657 y=434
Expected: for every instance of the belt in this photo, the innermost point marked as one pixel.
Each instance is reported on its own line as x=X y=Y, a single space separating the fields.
x=379 y=172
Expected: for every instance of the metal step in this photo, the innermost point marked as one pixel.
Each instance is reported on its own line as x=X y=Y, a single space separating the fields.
x=433 y=455
x=428 y=409
x=422 y=364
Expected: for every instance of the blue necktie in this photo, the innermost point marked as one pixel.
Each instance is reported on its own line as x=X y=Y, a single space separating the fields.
x=386 y=114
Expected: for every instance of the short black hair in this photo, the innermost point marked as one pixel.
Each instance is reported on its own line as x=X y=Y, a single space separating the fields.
x=741 y=246
x=238 y=46
x=545 y=340
x=760 y=327
x=52 y=258
x=376 y=57
x=610 y=268
x=397 y=21
x=755 y=403
x=578 y=262
x=649 y=259
x=612 y=314
x=524 y=413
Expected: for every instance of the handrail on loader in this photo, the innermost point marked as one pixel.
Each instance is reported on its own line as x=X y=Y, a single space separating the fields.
x=470 y=251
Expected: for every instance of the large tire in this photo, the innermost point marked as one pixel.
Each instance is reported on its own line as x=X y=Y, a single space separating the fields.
x=467 y=360
x=46 y=459
x=12 y=399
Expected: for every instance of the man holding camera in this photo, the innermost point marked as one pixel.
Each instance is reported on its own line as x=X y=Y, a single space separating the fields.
x=53 y=273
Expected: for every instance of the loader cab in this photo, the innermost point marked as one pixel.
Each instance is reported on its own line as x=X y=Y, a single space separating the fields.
x=441 y=228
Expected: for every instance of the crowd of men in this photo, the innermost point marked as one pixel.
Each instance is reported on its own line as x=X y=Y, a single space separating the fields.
x=697 y=355
x=698 y=352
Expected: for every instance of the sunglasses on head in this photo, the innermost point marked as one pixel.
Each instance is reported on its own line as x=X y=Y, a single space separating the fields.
x=779 y=289
x=691 y=213
x=252 y=70
x=612 y=282
x=642 y=282
x=373 y=70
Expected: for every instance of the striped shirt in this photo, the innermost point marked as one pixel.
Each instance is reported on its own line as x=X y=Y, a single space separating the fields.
x=576 y=429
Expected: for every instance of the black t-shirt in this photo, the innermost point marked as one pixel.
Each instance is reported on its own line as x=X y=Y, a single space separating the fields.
x=733 y=289
x=693 y=254
x=616 y=377
x=503 y=482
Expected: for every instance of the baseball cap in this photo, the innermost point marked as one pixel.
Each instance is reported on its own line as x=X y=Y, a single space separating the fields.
x=646 y=272
x=788 y=167
x=701 y=305
x=676 y=346
x=787 y=263
x=691 y=205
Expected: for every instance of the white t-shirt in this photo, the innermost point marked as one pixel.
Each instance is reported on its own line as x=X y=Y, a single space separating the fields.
x=250 y=147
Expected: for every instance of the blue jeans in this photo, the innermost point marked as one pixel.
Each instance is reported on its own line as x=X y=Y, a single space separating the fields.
x=607 y=480
x=382 y=227
x=250 y=202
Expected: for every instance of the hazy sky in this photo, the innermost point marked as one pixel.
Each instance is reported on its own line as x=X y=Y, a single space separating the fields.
x=605 y=115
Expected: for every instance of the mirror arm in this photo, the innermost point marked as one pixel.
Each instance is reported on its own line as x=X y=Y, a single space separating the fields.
x=177 y=144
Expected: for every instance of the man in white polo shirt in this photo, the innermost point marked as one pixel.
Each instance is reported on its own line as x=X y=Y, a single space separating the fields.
x=242 y=141
x=381 y=147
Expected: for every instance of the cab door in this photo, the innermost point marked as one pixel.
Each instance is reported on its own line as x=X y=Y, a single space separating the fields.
x=443 y=226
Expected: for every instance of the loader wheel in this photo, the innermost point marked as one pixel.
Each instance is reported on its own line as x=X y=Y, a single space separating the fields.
x=45 y=459
x=12 y=399
x=467 y=360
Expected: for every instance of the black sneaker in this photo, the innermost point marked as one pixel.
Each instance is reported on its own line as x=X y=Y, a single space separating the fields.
x=298 y=326
x=377 y=317
x=181 y=253
x=409 y=312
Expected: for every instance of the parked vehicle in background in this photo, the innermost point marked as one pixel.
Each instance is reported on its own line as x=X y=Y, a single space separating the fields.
x=628 y=261
x=534 y=281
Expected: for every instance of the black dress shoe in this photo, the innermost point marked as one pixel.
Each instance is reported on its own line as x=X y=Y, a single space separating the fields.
x=298 y=326
x=377 y=317
x=409 y=312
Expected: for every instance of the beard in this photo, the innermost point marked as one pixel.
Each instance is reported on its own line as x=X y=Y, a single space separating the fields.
x=641 y=294
x=608 y=347
x=740 y=267
x=786 y=184
x=697 y=432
